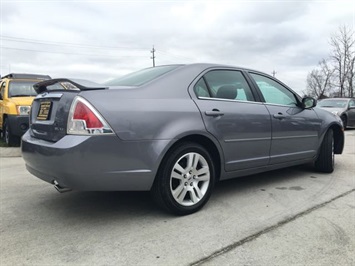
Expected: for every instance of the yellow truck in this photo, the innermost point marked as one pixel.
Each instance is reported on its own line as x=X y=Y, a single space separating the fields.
x=16 y=96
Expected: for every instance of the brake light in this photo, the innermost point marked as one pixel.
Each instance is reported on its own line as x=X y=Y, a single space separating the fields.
x=85 y=120
x=82 y=112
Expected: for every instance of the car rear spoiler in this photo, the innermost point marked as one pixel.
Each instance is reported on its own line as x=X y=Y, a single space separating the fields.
x=68 y=84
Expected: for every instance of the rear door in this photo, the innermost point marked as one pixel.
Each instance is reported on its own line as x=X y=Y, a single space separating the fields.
x=294 y=129
x=230 y=112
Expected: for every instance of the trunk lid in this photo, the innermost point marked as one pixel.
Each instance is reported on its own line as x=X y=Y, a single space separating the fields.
x=50 y=109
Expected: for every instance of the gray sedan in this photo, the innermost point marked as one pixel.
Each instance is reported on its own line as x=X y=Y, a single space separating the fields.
x=343 y=107
x=174 y=130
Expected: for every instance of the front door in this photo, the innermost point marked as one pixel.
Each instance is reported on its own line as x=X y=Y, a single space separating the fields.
x=294 y=129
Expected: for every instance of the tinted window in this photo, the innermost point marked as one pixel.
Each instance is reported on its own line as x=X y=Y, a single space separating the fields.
x=21 y=88
x=201 y=89
x=228 y=84
x=274 y=92
x=140 y=77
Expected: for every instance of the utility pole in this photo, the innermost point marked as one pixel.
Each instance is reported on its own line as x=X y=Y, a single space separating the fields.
x=273 y=73
x=153 y=57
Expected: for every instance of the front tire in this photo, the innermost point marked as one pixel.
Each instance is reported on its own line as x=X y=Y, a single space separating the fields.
x=185 y=179
x=10 y=139
x=345 y=121
x=325 y=160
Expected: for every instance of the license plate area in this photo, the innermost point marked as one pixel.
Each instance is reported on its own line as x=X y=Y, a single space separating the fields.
x=44 y=110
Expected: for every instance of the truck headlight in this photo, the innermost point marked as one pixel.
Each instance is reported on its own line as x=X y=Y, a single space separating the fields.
x=23 y=110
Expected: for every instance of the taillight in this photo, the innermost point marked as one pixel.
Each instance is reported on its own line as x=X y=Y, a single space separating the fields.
x=85 y=120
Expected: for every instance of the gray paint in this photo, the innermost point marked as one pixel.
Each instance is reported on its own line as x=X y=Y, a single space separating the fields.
x=150 y=119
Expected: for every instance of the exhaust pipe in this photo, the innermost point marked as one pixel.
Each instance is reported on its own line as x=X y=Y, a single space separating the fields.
x=59 y=188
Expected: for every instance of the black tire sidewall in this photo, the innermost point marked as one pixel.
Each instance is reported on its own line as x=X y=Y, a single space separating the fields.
x=165 y=174
x=345 y=121
x=13 y=140
x=325 y=162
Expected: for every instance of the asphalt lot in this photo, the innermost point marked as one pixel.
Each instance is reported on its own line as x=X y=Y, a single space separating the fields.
x=293 y=216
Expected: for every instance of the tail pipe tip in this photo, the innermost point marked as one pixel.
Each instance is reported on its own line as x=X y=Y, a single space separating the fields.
x=59 y=188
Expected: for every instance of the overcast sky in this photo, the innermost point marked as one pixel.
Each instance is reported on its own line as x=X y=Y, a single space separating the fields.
x=99 y=40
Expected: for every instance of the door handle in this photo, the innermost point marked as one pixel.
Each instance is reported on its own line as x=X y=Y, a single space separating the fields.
x=214 y=112
x=279 y=116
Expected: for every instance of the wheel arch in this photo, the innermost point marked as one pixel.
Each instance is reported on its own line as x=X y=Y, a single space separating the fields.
x=210 y=145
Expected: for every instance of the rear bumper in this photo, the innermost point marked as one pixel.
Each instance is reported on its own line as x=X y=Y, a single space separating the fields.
x=94 y=163
x=18 y=124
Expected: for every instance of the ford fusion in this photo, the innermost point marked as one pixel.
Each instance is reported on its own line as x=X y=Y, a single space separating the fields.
x=174 y=130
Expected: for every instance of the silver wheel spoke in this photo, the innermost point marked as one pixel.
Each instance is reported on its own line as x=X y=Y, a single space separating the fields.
x=197 y=158
x=178 y=167
x=177 y=191
x=203 y=170
x=198 y=192
x=177 y=176
x=193 y=196
x=182 y=195
x=190 y=160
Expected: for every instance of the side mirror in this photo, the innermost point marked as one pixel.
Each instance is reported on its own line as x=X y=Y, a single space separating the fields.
x=308 y=102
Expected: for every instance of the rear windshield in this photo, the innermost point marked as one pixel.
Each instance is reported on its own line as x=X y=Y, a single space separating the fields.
x=141 y=77
x=333 y=103
x=22 y=88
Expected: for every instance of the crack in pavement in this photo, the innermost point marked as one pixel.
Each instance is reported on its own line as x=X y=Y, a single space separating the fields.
x=266 y=230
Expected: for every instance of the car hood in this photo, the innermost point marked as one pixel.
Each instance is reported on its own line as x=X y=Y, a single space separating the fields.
x=332 y=110
x=22 y=100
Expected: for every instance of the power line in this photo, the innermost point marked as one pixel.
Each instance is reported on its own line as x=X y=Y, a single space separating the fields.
x=52 y=52
x=77 y=45
x=17 y=39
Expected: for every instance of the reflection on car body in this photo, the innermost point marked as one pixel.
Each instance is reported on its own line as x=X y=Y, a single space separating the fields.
x=175 y=130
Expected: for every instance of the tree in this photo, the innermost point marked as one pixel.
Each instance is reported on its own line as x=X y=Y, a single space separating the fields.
x=343 y=56
x=319 y=80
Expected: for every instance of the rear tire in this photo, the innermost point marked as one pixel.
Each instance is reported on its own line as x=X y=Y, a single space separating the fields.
x=185 y=179
x=325 y=160
x=10 y=139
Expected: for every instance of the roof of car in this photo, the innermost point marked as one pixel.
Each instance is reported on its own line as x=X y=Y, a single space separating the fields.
x=25 y=76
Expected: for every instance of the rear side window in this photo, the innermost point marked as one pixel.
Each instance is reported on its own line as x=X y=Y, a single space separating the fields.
x=274 y=92
x=142 y=76
x=224 y=84
x=201 y=89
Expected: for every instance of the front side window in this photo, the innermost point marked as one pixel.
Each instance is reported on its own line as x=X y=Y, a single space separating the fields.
x=21 y=89
x=352 y=103
x=225 y=84
x=274 y=92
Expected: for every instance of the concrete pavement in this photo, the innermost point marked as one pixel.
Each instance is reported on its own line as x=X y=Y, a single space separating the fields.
x=293 y=216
